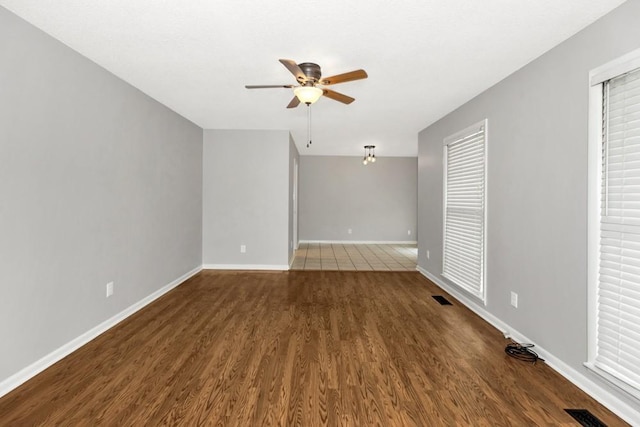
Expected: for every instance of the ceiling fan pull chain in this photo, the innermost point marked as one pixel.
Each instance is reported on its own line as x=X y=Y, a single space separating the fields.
x=308 y=124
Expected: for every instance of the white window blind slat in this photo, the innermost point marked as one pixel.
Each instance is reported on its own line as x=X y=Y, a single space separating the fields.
x=466 y=157
x=621 y=318
x=465 y=229
x=464 y=201
x=470 y=240
x=466 y=169
x=462 y=272
x=618 y=285
x=470 y=146
x=461 y=255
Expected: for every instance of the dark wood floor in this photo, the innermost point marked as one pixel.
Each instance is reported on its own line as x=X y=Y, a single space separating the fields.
x=298 y=348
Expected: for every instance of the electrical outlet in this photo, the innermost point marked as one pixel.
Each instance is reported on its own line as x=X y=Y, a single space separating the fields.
x=349 y=231
x=514 y=299
x=428 y=254
x=109 y=289
x=408 y=232
x=243 y=249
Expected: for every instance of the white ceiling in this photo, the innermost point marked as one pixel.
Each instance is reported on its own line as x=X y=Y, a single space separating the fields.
x=424 y=57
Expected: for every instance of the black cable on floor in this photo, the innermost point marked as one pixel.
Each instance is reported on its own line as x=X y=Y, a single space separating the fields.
x=522 y=352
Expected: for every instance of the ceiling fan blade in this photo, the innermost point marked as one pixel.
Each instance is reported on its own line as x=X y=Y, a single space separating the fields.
x=294 y=102
x=346 y=77
x=294 y=69
x=267 y=86
x=336 y=96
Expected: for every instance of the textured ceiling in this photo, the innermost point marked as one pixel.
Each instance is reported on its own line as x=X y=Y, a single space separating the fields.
x=424 y=57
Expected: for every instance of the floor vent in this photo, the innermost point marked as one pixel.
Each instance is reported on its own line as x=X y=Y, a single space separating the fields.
x=442 y=300
x=585 y=418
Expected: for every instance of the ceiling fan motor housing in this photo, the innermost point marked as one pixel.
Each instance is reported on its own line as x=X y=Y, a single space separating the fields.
x=311 y=70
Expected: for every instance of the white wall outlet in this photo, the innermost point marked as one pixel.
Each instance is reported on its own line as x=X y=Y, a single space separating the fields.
x=428 y=254
x=109 y=289
x=408 y=232
x=514 y=299
x=349 y=231
x=243 y=249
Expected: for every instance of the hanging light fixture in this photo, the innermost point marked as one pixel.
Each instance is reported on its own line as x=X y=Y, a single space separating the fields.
x=369 y=154
x=307 y=94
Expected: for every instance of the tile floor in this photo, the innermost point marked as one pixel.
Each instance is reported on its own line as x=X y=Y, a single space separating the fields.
x=365 y=257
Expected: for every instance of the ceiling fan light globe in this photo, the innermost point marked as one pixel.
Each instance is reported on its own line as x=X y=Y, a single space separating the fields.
x=307 y=94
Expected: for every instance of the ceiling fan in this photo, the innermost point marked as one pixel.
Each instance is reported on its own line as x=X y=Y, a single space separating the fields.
x=309 y=78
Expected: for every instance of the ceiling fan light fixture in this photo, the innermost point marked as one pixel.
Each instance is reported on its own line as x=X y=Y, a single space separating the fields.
x=308 y=94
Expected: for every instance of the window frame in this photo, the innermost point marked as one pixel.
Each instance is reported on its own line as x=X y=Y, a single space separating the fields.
x=597 y=77
x=482 y=296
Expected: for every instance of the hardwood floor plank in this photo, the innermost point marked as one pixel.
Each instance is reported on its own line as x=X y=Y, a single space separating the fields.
x=309 y=348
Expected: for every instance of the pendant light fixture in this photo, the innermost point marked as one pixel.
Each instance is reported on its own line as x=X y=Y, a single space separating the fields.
x=369 y=154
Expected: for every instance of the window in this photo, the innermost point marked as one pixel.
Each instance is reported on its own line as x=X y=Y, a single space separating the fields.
x=464 y=208
x=614 y=223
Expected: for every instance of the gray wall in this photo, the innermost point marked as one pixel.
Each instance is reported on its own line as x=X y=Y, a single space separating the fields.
x=294 y=157
x=378 y=202
x=245 y=197
x=537 y=186
x=98 y=183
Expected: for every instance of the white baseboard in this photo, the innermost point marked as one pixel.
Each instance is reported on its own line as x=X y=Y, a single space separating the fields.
x=245 y=267
x=625 y=411
x=40 y=365
x=364 y=242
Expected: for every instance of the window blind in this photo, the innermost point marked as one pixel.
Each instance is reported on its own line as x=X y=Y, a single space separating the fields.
x=464 y=209
x=618 y=286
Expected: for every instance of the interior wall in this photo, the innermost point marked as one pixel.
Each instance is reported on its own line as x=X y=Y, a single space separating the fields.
x=98 y=183
x=378 y=202
x=294 y=158
x=245 y=198
x=537 y=188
